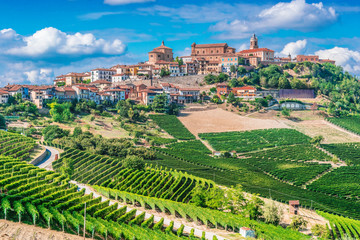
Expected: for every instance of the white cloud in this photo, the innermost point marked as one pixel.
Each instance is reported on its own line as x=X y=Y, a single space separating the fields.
x=51 y=42
x=37 y=76
x=295 y=15
x=123 y=2
x=348 y=59
x=294 y=48
x=207 y=13
x=97 y=15
x=185 y=52
x=243 y=47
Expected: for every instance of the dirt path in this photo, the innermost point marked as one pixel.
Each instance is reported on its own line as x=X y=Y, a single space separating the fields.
x=20 y=231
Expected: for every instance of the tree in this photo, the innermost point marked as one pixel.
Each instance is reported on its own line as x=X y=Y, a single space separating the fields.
x=241 y=70
x=210 y=79
x=179 y=61
x=286 y=112
x=173 y=109
x=272 y=213
x=321 y=231
x=2 y=122
x=134 y=162
x=60 y=112
x=253 y=207
x=235 y=200
x=222 y=77
x=160 y=102
x=231 y=98
x=297 y=223
x=232 y=69
x=317 y=140
x=53 y=131
x=77 y=131
x=284 y=83
x=164 y=72
x=213 y=198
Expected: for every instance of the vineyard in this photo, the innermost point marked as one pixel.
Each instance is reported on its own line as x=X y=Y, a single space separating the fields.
x=45 y=198
x=350 y=123
x=297 y=173
x=342 y=182
x=211 y=218
x=231 y=171
x=348 y=152
x=108 y=172
x=341 y=227
x=254 y=140
x=173 y=126
x=15 y=145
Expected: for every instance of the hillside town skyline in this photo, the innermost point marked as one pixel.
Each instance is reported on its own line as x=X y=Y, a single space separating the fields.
x=102 y=33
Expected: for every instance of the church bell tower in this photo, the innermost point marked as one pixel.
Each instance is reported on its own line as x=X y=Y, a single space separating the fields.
x=254 y=42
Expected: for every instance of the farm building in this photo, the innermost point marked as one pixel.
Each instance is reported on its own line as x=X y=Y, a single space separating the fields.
x=297 y=93
x=294 y=206
x=247 y=232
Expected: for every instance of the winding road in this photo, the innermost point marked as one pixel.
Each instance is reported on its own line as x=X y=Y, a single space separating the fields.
x=209 y=233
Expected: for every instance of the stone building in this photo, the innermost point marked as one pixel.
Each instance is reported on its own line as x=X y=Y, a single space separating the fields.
x=161 y=53
x=210 y=52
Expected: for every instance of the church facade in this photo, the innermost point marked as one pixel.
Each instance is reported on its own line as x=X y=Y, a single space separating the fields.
x=161 y=53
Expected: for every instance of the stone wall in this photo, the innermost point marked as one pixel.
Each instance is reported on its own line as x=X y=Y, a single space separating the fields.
x=40 y=158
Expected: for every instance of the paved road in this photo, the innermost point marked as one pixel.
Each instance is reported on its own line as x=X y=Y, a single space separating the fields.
x=50 y=158
x=46 y=163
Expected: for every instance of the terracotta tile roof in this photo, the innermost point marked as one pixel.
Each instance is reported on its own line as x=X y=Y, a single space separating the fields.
x=245 y=88
x=189 y=89
x=121 y=74
x=101 y=82
x=256 y=50
x=3 y=92
x=211 y=45
x=103 y=69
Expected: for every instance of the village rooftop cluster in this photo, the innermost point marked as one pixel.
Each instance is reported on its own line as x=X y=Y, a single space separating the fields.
x=109 y=84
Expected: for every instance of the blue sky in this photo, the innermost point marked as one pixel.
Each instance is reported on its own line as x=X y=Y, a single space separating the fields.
x=41 y=39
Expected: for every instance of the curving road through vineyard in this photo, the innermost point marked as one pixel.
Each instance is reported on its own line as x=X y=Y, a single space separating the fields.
x=47 y=164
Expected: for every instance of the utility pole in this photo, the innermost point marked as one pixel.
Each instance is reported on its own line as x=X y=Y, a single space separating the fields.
x=84 y=220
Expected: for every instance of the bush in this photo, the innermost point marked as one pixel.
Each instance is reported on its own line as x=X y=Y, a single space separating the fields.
x=134 y=162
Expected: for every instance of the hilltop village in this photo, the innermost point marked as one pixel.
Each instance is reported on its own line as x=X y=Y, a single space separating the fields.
x=121 y=82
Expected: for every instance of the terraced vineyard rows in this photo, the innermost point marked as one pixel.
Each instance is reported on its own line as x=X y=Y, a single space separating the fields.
x=297 y=173
x=350 y=123
x=341 y=227
x=173 y=126
x=211 y=218
x=254 y=140
x=343 y=181
x=348 y=152
x=45 y=198
x=108 y=172
x=232 y=171
x=15 y=145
